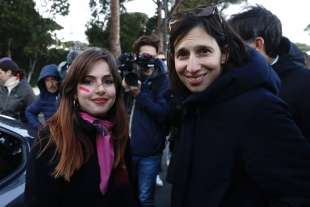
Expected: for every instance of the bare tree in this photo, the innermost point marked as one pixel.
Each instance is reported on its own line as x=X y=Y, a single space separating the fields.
x=161 y=24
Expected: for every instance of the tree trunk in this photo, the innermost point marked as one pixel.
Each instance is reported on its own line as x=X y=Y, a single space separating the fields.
x=9 y=52
x=162 y=23
x=159 y=26
x=115 y=28
x=165 y=29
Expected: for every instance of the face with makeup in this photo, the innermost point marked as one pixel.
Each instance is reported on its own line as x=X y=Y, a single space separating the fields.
x=96 y=93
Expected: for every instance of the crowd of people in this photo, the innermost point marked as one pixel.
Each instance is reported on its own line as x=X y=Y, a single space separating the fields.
x=232 y=103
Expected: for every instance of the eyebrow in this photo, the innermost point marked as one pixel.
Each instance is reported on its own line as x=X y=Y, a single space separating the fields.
x=182 y=49
x=105 y=76
x=195 y=48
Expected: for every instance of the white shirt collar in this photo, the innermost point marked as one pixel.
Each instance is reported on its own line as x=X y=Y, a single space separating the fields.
x=11 y=83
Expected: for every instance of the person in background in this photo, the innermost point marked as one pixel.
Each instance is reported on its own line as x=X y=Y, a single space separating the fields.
x=15 y=92
x=238 y=143
x=46 y=104
x=148 y=111
x=81 y=157
x=64 y=67
x=166 y=154
x=161 y=56
x=262 y=30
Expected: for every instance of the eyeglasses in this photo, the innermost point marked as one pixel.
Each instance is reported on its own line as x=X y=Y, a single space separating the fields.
x=92 y=83
x=202 y=11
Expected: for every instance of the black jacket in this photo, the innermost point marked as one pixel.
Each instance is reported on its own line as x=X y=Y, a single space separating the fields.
x=15 y=103
x=295 y=80
x=42 y=189
x=239 y=145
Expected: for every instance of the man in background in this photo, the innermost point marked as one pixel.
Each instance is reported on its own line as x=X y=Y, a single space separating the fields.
x=15 y=92
x=47 y=102
x=148 y=111
x=262 y=30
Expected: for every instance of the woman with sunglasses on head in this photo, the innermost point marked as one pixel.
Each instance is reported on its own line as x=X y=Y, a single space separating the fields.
x=238 y=145
x=81 y=157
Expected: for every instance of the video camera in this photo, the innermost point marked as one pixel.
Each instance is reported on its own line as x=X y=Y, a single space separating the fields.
x=131 y=66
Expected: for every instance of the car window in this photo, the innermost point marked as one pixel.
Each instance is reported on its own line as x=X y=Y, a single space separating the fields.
x=11 y=156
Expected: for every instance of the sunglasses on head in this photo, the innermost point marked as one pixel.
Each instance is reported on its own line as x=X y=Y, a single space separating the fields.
x=203 y=11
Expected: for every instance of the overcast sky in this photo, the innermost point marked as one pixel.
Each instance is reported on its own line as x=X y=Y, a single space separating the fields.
x=294 y=15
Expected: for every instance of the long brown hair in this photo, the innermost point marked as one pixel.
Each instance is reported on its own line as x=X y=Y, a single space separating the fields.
x=73 y=143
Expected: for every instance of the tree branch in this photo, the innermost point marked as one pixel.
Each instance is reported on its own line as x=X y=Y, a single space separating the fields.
x=175 y=7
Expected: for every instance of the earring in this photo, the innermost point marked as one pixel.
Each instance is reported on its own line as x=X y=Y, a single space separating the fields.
x=75 y=104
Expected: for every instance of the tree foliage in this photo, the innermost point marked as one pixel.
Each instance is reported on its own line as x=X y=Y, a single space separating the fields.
x=100 y=9
x=60 y=7
x=55 y=7
x=132 y=26
x=104 y=11
x=97 y=34
x=303 y=47
x=25 y=34
x=99 y=27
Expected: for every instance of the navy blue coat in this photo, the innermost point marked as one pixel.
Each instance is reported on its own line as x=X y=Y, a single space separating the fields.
x=47 y=102
x=148 y=132
x=239 y=145
x=295 y=80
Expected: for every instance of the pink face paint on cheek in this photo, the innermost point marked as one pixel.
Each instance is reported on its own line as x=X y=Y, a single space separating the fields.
x=85 y=90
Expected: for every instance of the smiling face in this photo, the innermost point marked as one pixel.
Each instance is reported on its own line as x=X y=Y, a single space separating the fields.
x=198 y=60
x=97 y=93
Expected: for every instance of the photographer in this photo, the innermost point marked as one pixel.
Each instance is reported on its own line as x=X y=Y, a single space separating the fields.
x=146 y=81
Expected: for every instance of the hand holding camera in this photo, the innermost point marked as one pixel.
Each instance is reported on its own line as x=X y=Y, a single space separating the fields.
x=134 y=90
x=136 y=68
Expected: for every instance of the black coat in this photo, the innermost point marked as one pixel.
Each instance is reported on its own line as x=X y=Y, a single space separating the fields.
x=239 y=146
x=295 y=78
x=42 y=189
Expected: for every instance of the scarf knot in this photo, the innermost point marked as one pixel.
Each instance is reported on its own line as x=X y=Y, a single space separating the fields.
x=103 y=126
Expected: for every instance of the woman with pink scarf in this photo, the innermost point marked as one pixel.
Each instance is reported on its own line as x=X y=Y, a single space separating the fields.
x=81 y=156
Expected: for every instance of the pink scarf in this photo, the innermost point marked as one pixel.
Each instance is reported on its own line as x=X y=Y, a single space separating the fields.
x=104 y=147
